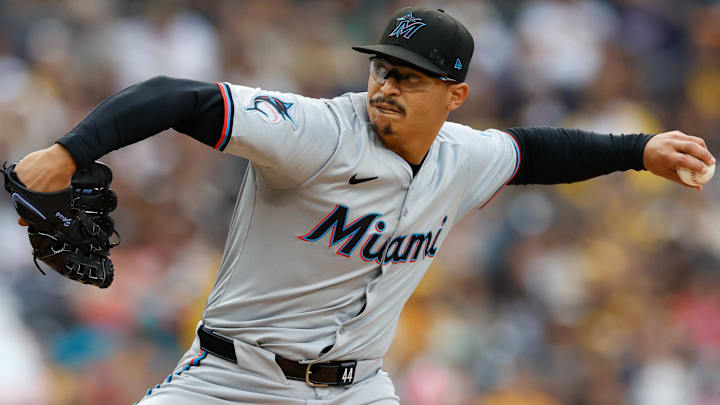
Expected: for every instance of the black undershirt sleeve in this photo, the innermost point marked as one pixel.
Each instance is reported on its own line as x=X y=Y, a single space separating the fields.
x=560 y=155
x=194 y=108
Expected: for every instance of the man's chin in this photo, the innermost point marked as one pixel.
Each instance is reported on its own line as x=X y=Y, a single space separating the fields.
x=382 y=128
x=384 y=121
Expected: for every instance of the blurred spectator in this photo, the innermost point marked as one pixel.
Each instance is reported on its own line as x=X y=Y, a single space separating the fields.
x=22 y=372
x=563 y=41
x=169 y=39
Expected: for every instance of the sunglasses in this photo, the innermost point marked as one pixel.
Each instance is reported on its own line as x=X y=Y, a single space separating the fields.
x=408 y=79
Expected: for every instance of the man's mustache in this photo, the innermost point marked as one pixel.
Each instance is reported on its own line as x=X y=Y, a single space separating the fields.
x=387 y=101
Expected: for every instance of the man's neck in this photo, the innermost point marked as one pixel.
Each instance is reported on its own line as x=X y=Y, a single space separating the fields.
x=411 y=147
x=412 y=152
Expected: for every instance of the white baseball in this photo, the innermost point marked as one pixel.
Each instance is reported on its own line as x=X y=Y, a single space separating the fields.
x=694 y=178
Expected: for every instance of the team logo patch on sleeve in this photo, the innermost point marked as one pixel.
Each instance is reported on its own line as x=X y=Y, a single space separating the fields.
x=272 y=110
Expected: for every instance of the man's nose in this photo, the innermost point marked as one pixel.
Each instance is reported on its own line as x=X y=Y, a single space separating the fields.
x=390 y=87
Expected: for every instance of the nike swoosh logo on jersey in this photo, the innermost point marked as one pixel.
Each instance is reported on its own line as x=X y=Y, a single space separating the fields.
x=355 y=180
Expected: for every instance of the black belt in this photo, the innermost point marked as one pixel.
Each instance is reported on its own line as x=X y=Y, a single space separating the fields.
x=334 y=373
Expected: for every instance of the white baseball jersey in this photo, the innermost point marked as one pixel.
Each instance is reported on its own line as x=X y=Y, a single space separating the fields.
x=332 y=232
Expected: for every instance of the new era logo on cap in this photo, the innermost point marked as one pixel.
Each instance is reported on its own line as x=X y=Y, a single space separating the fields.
x=430 y=40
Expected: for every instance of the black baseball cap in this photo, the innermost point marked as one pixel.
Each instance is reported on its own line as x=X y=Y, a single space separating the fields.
x=427 y=39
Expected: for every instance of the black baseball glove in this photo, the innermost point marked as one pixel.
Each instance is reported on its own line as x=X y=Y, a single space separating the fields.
x=70 y=230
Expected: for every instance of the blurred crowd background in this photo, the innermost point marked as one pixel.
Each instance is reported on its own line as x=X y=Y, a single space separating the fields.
x=602 y=292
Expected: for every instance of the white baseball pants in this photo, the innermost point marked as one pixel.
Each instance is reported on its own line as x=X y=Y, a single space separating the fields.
x=202 y=378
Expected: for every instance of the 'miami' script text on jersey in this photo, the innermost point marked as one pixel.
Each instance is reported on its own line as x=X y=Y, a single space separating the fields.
x=397 y=251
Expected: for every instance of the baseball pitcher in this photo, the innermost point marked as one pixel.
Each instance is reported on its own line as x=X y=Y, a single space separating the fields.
x=343 y=208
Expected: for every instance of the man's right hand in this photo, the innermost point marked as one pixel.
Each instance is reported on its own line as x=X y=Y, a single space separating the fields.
x=46 y=170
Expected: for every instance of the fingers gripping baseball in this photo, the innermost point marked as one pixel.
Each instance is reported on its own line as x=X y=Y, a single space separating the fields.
x=665 y=153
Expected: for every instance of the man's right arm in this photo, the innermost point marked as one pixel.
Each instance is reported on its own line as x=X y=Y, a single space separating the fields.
x=289 y=138
x=145 y=109
x=136 y=113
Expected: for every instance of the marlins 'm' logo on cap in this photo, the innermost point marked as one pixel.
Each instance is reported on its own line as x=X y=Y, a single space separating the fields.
x=406 y=26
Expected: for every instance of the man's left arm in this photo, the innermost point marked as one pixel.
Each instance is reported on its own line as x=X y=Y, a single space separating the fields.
x=560 y=155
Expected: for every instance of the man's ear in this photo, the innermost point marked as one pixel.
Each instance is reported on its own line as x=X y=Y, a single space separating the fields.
x=458 y=94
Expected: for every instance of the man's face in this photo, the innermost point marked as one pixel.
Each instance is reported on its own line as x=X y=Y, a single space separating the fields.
x=408 y=103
